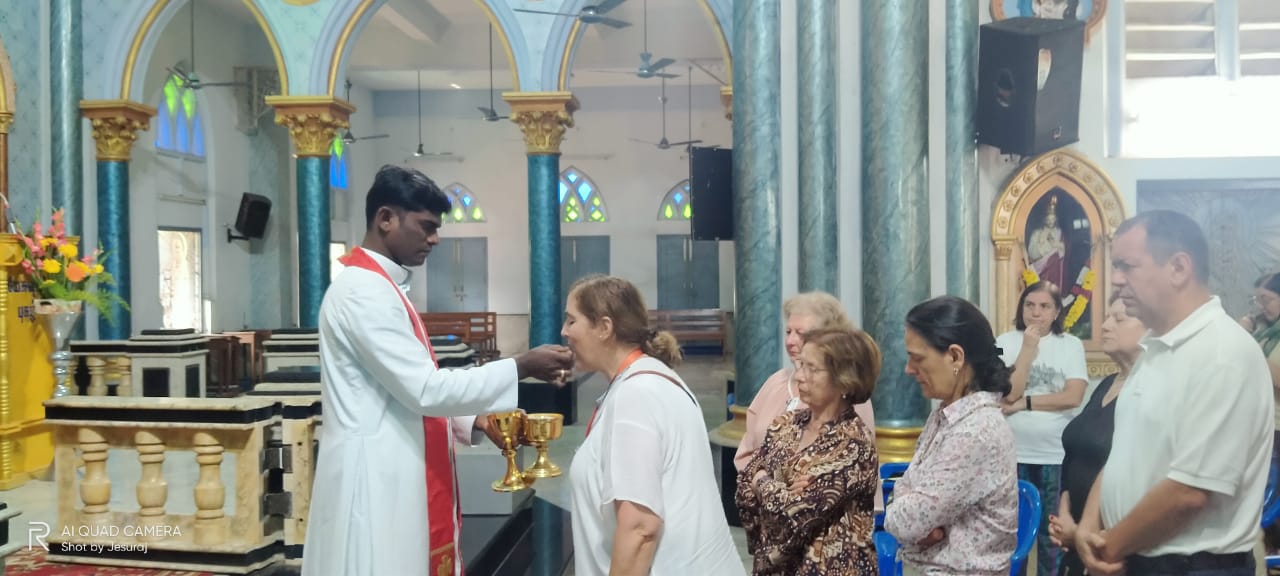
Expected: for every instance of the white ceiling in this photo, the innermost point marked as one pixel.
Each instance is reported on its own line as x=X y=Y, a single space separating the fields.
x=447 y=41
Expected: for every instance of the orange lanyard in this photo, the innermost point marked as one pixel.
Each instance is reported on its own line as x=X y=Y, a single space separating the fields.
x=631 y=358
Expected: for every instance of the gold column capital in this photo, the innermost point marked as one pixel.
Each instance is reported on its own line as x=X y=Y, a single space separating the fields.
x=313 y=121
x=726 y=98
x=6 y=120
x=116 y=124
x=542 y=117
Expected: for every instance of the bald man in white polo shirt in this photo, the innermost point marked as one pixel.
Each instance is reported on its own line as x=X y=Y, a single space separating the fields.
x=1182 y=490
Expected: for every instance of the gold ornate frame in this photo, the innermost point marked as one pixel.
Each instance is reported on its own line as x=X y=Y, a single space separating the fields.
x=1097 y=195
x=1096 y=16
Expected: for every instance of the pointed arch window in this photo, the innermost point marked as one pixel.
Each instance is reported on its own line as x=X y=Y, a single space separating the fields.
x=180 y=122
x=580 y=199
x=465 y=206
x=675 y=205
x=339 y=164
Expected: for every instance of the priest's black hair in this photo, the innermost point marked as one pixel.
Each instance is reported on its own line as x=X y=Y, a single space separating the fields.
x=405 y=189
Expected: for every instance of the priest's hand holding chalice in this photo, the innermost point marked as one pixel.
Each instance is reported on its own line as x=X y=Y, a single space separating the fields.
x=510 y=430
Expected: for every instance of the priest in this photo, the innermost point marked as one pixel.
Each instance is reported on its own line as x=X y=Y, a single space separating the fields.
x=385 y=497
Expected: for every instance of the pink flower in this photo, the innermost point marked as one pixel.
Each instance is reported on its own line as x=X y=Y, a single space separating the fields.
x=27 y=267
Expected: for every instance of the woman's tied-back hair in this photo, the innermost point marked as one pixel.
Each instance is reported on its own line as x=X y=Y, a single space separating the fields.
x=851 y=358
x=948 y=320
x=600 y=296
x=821 y=305
x=1048 y=288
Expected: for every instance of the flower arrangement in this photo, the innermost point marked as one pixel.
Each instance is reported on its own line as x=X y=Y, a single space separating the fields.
x=59 y=272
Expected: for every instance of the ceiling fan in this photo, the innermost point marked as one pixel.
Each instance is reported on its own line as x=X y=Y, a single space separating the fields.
x=663 y=144
x=490 y=114
x=188 y=74
x=647 y=68
x=420 y=152
x=347 y=137
x=593 y=14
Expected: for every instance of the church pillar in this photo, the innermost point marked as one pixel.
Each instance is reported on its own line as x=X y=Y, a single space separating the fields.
x=116 y=124
x=543 y=117
x=313 y=123
x=756 y=221
x=816 y=77
x=962 y=149
x=67 y=86
x=895 y=206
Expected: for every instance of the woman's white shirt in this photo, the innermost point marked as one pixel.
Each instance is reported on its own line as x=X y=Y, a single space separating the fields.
x=649 y=446
x=1037 y=435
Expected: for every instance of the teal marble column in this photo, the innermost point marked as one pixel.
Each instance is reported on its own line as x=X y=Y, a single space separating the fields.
x=546 y=303
x=66 y=80
x=757 y=235
x=116 y=125
x=113 y=234
x=816 y=77
x=895 y=200
x=313 y=237
x=543 y=118
x=962 y=149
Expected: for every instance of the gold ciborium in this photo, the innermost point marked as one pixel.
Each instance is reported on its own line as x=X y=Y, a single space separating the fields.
x=539 y=429
x=511 y=426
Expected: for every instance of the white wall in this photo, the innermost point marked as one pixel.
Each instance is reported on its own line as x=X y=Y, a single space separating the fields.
x=631 y=176
x=205 y=196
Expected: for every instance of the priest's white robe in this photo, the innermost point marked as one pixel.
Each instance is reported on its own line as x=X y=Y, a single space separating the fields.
x=368 y=513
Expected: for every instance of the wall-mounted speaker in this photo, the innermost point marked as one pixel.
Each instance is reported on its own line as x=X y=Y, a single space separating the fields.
x=711 y=193
x=251 y=220
x=1029 y=84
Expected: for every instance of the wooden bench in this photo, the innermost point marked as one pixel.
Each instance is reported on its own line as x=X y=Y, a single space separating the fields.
x=688 y=326
x=477 y=329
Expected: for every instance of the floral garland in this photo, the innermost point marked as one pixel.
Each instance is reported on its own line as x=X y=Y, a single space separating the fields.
x=1081 y=300
x=1078 y=300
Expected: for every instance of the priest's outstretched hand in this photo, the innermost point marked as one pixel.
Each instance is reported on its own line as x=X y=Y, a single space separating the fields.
x=550 y=362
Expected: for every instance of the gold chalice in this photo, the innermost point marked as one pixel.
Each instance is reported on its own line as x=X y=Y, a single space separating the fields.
x=539 y=429
x=511 y=426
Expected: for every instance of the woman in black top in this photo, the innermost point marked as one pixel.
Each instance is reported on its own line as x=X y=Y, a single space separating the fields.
x=1087 y=439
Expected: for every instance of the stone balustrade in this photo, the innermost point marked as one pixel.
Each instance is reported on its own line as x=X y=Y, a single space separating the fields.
x=236 y=528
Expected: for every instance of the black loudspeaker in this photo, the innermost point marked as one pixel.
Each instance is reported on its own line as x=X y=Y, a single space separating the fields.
x=1029 y=84
x=251 y=220
x=711 y=193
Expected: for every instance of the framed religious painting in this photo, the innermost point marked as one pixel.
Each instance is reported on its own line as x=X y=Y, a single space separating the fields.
x=1089 y=11
x=1053 y=222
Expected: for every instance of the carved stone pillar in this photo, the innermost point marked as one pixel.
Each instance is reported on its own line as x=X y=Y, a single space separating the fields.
x=95 y=487
x=543 y=118
x=118 y=368
x=210 y=494
x=97 y=375
x=313 y=123
x=115 y=124
x=152 y=488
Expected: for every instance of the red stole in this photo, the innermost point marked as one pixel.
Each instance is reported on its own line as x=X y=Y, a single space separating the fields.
x=443 y=515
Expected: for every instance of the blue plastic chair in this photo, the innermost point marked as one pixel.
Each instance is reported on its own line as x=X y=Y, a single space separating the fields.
x=887 y=554
x=888 y=474
x=1028 y=524
x=1271 y=507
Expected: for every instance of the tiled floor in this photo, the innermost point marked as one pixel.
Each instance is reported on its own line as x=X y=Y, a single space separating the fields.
x=706 y=377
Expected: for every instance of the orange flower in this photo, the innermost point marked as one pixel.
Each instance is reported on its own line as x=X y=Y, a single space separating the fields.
x=77 y=272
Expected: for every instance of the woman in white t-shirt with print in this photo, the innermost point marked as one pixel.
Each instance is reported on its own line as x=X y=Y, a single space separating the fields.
x=1049 y=381
x=643 y=484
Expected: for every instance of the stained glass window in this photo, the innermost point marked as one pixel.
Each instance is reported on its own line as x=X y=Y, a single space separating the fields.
x=465 y=206
x=580 y=199
x=180 y=123
x=675 y=205
x=339 y=163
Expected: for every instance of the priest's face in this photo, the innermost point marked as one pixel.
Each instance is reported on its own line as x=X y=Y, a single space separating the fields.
x=410 y=236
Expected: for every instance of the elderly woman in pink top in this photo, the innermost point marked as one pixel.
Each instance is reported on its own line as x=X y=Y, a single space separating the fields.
x=955 y=510
x=804 y=312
